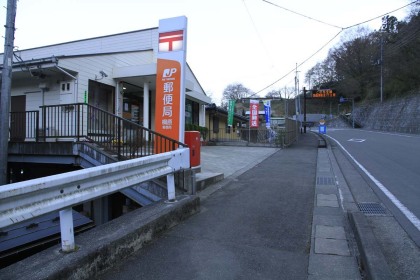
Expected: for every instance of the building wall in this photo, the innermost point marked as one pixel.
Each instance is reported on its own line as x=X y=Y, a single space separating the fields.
x=89 y=67
x=124 y=42
x=84 y=59
x=223 y=133
x=117 y=47
x=35 y=96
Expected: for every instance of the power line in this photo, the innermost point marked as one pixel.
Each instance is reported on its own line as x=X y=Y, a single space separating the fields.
x=406 y=38
x=302 y=15
x=288 y=73
x=320 y=48
x=256 y=30
x=336 y=26
x=300 y=64
x=366 y=21
x=342 y=29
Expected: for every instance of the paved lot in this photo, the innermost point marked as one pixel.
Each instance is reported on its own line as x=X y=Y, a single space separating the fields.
x=232 y=160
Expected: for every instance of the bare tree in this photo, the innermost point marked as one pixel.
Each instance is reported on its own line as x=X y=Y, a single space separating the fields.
x=355 y=65
x=236 y=92
x=274 y=94
x=288 y=92
x=363 y=59
x=322 y=74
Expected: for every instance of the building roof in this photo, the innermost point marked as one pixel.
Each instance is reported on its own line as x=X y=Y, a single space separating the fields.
x=215 y=108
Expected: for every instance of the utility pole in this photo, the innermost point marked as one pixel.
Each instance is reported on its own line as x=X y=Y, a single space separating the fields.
x=352 y=112
x=382 y=62
x=304 y=109
x=286 y=109
x=297 y=103
x=6 y=86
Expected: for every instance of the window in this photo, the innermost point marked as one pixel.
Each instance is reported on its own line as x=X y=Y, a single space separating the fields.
x=192 y=112
x=216 y=124
x=65 y=87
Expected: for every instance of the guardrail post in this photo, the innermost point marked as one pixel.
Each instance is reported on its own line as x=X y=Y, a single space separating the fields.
x=67 y=230
x=170 y=178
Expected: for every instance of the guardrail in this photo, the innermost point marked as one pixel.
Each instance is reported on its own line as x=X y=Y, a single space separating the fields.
x=25 y=200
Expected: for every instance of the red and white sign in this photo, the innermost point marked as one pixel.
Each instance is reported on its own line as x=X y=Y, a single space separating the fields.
x=170 y=79
x=168 y=98
x=253 y=113
x=171 y=41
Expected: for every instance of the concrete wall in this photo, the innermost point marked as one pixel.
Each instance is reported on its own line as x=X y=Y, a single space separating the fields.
x=394 y=115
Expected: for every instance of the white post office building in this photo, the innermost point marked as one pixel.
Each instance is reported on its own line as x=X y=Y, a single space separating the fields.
x=116 y=73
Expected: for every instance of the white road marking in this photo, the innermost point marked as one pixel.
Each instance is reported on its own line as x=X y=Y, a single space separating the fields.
x=356 y=140
x=379 y=132
x=407 y=213
x=393 y=133
x=341 y=199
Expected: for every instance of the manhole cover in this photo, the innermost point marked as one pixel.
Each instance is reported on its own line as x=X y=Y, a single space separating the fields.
x=325 y=181
x=371 y=208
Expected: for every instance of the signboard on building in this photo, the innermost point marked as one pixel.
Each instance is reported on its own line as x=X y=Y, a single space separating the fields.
x=253 y=113
x=170 y=78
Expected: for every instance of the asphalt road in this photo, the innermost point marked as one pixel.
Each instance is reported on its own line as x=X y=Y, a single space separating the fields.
x=392 y=163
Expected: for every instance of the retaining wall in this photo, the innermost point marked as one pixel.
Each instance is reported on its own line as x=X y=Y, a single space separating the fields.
x=395 y=115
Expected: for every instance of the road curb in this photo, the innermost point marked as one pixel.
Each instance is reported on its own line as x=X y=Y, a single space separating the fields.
x=322 y=142
x=372 y=259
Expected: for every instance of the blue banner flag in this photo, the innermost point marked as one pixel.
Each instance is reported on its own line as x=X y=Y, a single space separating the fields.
x=267 y=110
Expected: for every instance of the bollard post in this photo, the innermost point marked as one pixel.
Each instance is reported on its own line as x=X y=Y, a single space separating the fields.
x=67 y=231
x=170 y=178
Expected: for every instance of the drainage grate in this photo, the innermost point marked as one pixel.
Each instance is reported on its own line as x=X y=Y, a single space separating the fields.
x=371 y=208
x=325 y=181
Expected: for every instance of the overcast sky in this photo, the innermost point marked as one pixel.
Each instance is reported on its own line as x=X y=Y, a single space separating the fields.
x=253 y=42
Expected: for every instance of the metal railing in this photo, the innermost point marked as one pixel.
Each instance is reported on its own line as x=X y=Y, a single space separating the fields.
x=262 y=136
x=24 y=125
x=28 y=199
x=82 y=122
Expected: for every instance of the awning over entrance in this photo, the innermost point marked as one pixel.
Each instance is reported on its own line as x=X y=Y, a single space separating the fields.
x=138 y=75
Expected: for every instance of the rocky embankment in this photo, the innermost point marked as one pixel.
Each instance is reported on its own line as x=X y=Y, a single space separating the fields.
x=394 y=115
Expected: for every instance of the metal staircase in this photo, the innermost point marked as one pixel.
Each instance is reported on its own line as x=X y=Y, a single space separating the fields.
x=99 y=137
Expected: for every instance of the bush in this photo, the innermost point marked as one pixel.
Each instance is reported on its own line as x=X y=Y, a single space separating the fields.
x=194 y=127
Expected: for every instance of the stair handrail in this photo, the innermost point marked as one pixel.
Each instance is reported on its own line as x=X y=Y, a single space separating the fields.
x=84 y=122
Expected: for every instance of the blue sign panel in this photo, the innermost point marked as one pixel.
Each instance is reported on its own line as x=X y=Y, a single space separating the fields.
x=322 y=129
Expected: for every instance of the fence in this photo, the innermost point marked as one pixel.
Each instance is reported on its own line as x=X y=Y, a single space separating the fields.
x=279 y=136
x=24 y=125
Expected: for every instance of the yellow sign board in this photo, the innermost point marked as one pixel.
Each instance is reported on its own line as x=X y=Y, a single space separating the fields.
x=324 y=93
